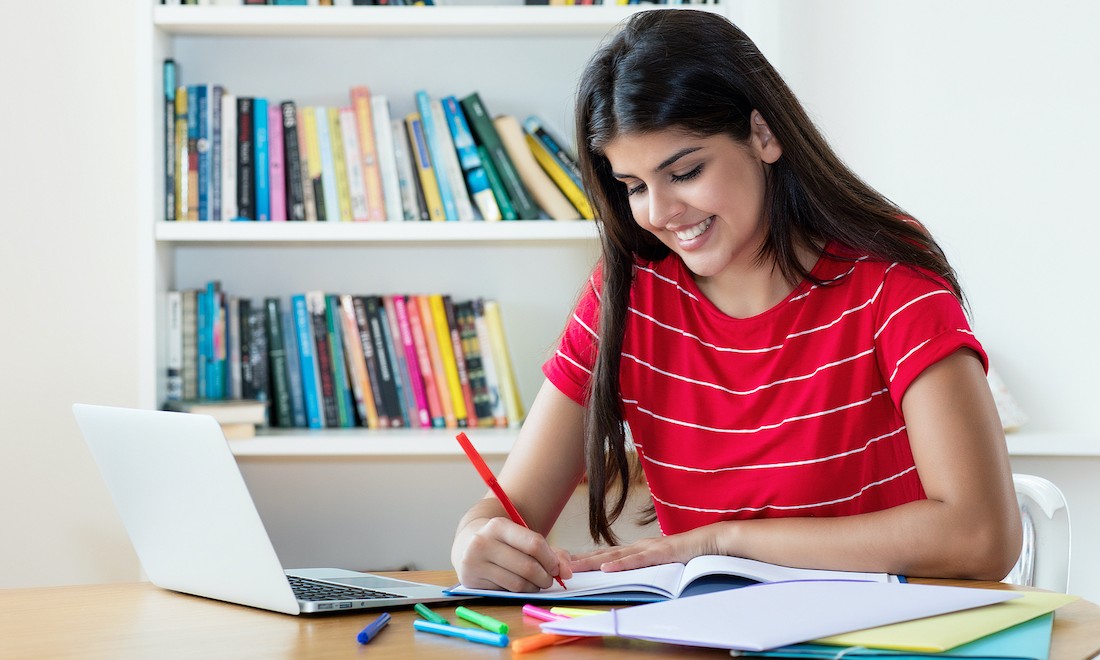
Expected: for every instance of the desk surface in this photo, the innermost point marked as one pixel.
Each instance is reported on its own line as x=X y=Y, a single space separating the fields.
x=139 y=620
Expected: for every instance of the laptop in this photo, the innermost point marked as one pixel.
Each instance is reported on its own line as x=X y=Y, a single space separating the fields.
x=195 y=527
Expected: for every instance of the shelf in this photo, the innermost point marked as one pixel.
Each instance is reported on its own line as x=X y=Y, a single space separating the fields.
x=1050 y=445
x=240 y=233
x=397 y=21
x=408 y=443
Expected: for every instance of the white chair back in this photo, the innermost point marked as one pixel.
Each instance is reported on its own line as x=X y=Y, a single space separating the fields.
x=1044 y=558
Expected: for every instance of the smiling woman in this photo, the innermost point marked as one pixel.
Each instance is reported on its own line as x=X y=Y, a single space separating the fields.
x=787 y=348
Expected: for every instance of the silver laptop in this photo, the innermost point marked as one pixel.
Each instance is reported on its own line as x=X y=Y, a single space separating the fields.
x=195 y=528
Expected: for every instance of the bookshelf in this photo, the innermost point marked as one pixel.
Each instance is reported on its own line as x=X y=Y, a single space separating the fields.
x=314 y=55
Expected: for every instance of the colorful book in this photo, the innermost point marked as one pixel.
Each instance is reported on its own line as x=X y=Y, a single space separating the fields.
x=309 y=200
x=412 y=362
x=189 y=364
x=310 y=120
x=345 y=403
x=451 y=167
x=488 y=360
x=407 y=180
x=447 y=353
x=339 y=163
x=424 y=360
x=372 y=175
x=201 y=96
x=366 y=340
x=229 y=157
x=537 y=128
x=182 y=158
x=293 y=370
x=315 y=300
x=477 y=181
x=174 y=349
x=507 y=211
x=460 y=363
x=439 y=373
x=357 y=364
x=292 y=162
x=387 y=157
x=433 y=132
x=509 y=387
x=276 y=157
x=551 y=199
x=246 y=196
x=277 y=364
x=475 y=367
x=485 y=133
x=404 y=374
x=261 y=160
x=422 y=160
x=399 y=378
x=311 y=382
x=238 y=341
x=353 y=162
x=217 y=93
x=560 y=177
x=385 y=366
x=192 y=169
x=169 y=84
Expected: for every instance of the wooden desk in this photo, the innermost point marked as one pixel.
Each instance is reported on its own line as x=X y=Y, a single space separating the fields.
x=140 y=620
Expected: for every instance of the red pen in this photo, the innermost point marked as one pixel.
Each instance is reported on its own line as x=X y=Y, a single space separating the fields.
x=490 y=479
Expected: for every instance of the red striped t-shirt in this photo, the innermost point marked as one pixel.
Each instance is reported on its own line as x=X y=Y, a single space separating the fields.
x=793 y=412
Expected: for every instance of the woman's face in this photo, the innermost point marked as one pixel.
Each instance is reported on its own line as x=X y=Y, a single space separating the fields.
x=703 y=197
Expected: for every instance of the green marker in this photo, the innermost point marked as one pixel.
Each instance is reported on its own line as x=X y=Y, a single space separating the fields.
x=486 y=622
x=426 y=612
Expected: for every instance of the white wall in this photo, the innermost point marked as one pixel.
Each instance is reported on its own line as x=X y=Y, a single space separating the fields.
x=67 y=282
x=978 y=117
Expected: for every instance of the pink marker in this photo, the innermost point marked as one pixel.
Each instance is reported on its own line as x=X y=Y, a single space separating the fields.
x=536 y=612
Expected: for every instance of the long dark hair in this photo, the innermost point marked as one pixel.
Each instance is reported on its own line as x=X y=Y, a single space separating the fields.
x=696 y=71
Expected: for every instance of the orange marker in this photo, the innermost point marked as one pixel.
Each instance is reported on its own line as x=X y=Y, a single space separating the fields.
x=541 y=640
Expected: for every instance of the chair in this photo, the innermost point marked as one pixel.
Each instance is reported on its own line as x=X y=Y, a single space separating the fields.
x=1044 y=559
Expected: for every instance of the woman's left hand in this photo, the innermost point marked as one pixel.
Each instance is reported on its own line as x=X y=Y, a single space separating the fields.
x=650 y=552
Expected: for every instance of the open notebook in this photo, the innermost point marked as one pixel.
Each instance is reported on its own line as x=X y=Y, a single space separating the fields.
x=701 y=575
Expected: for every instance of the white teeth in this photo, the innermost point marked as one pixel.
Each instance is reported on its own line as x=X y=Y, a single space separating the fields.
x=692 y=232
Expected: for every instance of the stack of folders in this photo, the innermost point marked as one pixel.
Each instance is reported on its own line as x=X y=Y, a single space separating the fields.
x=814 y=620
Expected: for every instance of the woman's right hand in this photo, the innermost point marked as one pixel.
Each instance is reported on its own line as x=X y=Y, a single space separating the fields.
x=496 y=553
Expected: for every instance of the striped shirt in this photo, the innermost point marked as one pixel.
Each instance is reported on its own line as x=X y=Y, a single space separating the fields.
x=793 y=412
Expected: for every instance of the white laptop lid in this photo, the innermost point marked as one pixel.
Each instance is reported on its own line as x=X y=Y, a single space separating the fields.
x=185 y=505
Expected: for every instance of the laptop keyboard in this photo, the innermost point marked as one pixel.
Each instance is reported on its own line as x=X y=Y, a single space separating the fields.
x=313 y=590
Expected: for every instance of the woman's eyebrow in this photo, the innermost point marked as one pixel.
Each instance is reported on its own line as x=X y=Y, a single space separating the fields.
x=665 y=163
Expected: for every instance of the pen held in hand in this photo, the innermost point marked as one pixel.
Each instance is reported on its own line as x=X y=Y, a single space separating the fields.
x=490 y=480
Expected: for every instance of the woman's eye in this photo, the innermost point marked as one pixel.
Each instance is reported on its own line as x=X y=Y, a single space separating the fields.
x=632 y=190
x=679 y=178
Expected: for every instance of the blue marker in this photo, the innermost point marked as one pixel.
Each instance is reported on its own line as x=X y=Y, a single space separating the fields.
x=375 y=627
x=469 y=634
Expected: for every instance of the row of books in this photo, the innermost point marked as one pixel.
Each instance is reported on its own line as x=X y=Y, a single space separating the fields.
x=342 y=360
x=232 y=157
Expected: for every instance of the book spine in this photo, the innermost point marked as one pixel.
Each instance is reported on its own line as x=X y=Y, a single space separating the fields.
x=292 y=156
x=404 y=376
x=492 y=373
x=311 y=165
x=447 y=353
x=276 y=157
x=460 y=363
x=258 y=353
x=424 y=361
x=202 y=353
x=451 y=168
x=260 y=158
x=406 y=176
x=395 y=365
x=534 y=127
x=316 y=302
x=422 y=161
x=238 y=343
x=339 y=164
x=190 y=355
x=546 y=194
x=353 y=161
x=169 y=83
x=559 y=176
x=277 y=364
x=217 y=93
x=202 y=94
x=507 y=211
x=174 y=359
x=477 y=181
x=475 y=368
x=328 y=166
x=372 y=174
x=432 y=133
x=229 y=156
x=344 y=402
x=387 y=157
x=193 y=132
x=311 y=388
x=385 y=366
x=293 y=370
x=245 y=179
x=485 y=133
x=357 y=364
x=431 y=339
x=412 y=362
x=513 y=406
x=366 y=340
x=182 y=157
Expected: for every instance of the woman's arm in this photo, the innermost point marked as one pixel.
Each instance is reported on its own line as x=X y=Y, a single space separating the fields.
x=969 y=525
x=542 y=471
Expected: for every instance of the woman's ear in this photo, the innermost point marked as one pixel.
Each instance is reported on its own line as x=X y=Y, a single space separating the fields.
x=766 y=145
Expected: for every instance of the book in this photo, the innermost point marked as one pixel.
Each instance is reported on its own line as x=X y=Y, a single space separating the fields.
x=492 y=379
x=189 y=359
x=405 y=408
x=311 y=388
x=366 y=340
x=252 y=322
x=433 y=137
x=460 y=362
x=345 y=403
x=229 y=157
x=557 y=148
x=412 y=362
x=245 y=181
x=424 y=360
x=448 y=160
x=236 y=342
x=224 y=411
x=309 y=200
x=422 y=161
x=238 y=431
x=168 y=81
x=475 y=367
x=308 y=123
x=477 y=181
x=277 y=163
x=403 y=375
x=174 y=359
x=560 y=176
x=327 y=165
x=292 y=156
x=293 y=371
x=447 y=355
x=201 y=96
x=192 y=168
x=485 y=133
x=181 y=157
x=509 y=387
x=217 y=119
x=387 y=383
x=372 y=175
x=547 y=195
x=261 y=165
x=315 y=300
x=407 y=180
x=387 y=157
x=507 y=211
x=339 y=163
x=357 y=364
x=439 y=374
x=353 y=162
x=277 y=364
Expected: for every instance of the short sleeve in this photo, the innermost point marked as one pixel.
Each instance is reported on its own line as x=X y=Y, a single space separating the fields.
x=570 y=368
x=919 y=321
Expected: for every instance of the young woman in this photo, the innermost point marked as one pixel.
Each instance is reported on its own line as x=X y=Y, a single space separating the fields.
x=786 y=347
